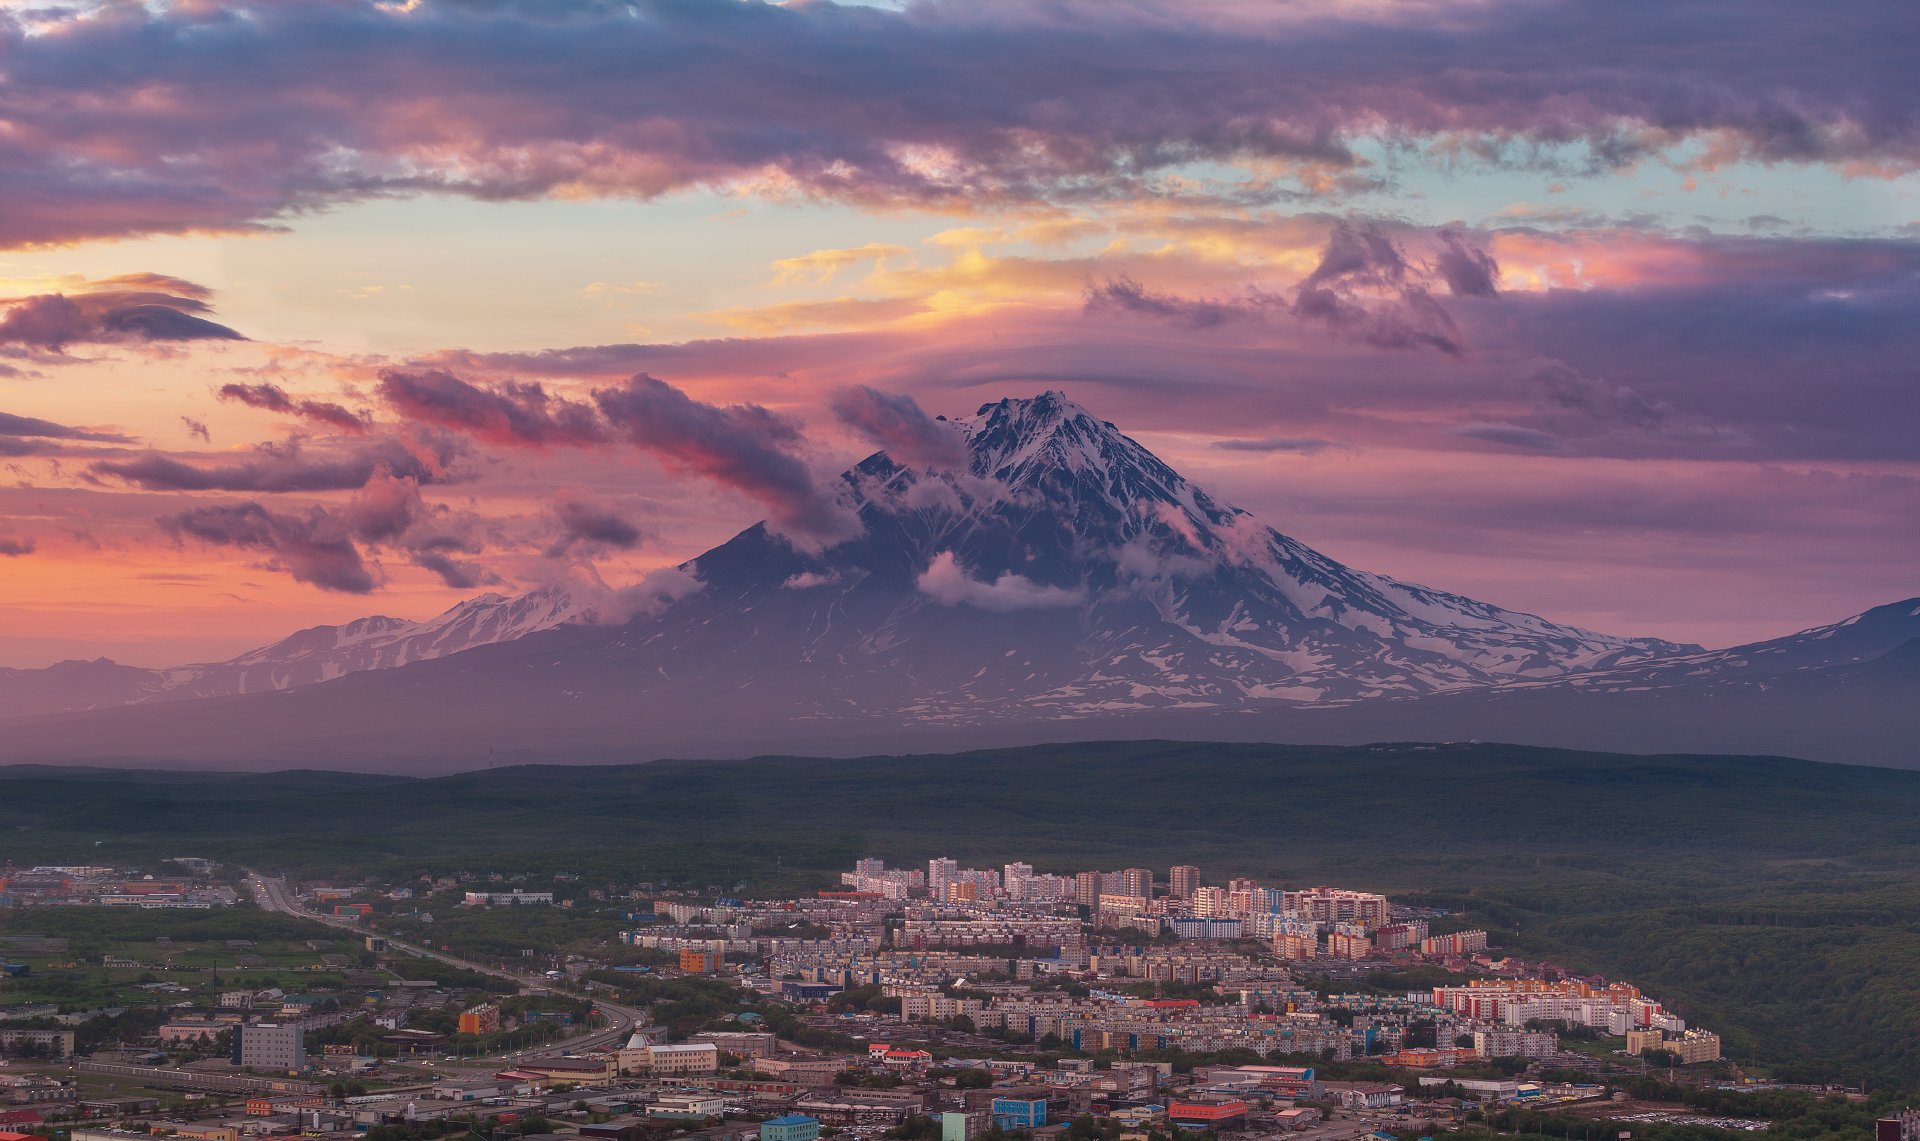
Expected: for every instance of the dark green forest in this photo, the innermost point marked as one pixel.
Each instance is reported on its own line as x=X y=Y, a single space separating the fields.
x=1774 y=900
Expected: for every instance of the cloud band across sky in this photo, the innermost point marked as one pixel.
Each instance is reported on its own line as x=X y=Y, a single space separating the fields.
x=127 y=119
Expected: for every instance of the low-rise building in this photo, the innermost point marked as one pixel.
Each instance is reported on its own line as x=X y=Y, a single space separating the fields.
x=790 y=1127
x=687 y=1107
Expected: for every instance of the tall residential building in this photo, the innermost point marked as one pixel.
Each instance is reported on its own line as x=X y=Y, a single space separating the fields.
x=1137 y=881
x=940 y=873
x=267 y=1046
x=1338 y=905
x=1209 y=901
x=1086 y=889
x=1014 y=877
x=1182 y=881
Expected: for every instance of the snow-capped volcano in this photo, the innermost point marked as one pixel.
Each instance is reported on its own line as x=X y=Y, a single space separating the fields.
x=1033 y=574
x=1047 y=566
x=1175 y=596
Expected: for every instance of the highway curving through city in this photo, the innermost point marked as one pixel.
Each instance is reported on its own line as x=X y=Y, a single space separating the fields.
x=273 y=895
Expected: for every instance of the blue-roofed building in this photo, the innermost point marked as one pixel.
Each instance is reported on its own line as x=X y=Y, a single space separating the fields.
x=1011 y=1113
x=792 y=1127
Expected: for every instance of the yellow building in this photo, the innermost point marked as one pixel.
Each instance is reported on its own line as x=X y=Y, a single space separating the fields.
x=1693 y=1046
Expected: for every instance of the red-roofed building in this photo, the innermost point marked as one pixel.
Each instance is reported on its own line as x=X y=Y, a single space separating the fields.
x=1212 y=1113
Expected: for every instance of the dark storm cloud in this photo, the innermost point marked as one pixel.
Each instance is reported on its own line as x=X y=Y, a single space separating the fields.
x=128 y=119
x=897 y=424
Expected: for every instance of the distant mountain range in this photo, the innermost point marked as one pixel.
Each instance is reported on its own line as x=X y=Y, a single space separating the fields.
x=316 y=654
x=1054 y=580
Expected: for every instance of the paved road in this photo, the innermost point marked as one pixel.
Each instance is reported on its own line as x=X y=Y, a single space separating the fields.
x=273 y=895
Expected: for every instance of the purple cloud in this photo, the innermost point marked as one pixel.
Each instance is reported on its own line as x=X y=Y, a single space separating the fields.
x=283 y=468
x=850 y=102
x=1513 y=436
x=315 y=547
x=11 y=425
x=583 y=520
x=1365 y=290
x=459 y=574
x=12 y=548
x=52 y=321
x=897 y=424
x=741 y=446
x=508 y=413
x=1468 y=270
x=1596 y=401
x=273 y=398
x=1125 y=295
x=1296 y=445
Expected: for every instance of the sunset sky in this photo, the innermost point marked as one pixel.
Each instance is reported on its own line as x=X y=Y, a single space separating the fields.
x=317 y=309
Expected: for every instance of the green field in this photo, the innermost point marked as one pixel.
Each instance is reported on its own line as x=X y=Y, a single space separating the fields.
x=1770 y=899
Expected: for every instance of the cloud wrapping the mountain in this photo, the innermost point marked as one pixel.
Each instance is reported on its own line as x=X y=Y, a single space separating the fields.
x=948 y=583
x=741 y=446
x=897 y=424
x=744 y=447
x=128 y=119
